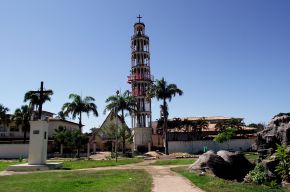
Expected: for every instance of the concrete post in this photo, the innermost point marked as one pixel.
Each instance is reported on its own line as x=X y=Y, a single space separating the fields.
x=88 y=150
x=38 y=142
x=61 y=149
x=149 y=146
x=94 y=148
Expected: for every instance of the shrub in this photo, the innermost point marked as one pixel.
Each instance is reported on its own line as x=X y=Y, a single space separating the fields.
x=225 y=135
x=283 y=168
x=258 y=175
x=20 y=159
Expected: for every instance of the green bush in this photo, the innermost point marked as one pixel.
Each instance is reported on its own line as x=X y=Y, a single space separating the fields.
x=283 y=168
x=258 y=175
x=225 y=135
x=20 y=159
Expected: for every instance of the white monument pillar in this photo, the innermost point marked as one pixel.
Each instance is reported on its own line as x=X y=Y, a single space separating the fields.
x=37 y=150
x=38 y=142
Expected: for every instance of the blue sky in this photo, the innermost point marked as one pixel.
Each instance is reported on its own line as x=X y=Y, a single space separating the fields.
x=231 y=58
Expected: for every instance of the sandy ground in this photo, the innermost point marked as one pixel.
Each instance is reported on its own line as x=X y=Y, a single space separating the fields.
x=100 y=155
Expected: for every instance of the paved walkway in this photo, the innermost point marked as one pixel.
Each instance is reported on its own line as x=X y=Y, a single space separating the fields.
x=164 y=180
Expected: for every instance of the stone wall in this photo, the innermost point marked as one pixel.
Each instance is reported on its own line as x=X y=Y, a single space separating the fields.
x=198 y=146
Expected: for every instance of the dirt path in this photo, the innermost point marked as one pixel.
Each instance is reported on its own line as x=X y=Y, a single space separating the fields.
x=164 y=180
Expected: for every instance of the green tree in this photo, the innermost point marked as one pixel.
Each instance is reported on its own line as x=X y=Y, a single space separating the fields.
x=59 y=137
x=61 y=115
x=198 y=127
x=126 y=136
x=164 y=91
x=235 y=123
x=259 y=126
x=4 y=117
x=75 y=139
x=34 y=99
x=225 y=135
x=22 y=116
x=78 y=105
x=121 y=103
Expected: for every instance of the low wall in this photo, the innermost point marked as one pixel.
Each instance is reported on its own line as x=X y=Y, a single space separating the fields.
x=13 y=151
x=198 y=146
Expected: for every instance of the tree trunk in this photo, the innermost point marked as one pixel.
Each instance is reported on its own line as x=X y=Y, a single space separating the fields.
x=124 y=145
x=61 y=149
x=123 y=118
x=24 y=137
x=78 y=152
x=80 y=128
x=124 y=139
x=80 y=122
x=165 y=126
x=88 y=150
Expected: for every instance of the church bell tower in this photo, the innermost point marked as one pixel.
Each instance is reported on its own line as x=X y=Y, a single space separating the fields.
x=140 y=79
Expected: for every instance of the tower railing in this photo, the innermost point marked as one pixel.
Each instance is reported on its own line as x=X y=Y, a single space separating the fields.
x=137 y=36
x=140 y=77
x=138 y=64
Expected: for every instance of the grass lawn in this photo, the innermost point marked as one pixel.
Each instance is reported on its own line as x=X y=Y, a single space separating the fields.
x=214 y=184
x=174 y=162
x=252 y=156
x=81 y=164
x=5 y=164
x=76 y=181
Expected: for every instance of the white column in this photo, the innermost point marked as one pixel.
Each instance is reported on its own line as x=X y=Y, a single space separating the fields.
x=38 y=142
x=61 y=149
x=88 y=150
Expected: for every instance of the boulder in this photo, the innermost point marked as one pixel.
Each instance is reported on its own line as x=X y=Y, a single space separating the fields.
x=240 y=165
x=224 y=164
x=270 y=166
x=277 y=131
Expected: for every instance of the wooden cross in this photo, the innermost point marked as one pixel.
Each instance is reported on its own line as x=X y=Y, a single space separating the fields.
x=139 y=17
x=41 y=98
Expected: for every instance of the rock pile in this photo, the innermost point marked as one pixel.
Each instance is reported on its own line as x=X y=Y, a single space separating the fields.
x=277 y=131
x=224 y=164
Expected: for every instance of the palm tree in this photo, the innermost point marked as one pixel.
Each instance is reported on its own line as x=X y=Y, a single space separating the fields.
x=61 y=115
x=201 y=125
x=235 y=123
x=163 y=91
x=79 y=106
x=4 y=117
x=121 y=103
x=34 y=99
x=22 y=117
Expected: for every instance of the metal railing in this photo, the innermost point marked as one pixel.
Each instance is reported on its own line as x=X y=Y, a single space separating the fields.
x=140 y=77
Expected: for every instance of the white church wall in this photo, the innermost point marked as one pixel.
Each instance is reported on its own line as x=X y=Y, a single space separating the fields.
x=13 y=151
x=197 y=146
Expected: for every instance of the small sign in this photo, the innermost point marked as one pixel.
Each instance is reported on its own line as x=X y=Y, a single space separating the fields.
x=35 y=132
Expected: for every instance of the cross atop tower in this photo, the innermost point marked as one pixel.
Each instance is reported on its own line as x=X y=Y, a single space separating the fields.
x=41 y=93
x=139 y=17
